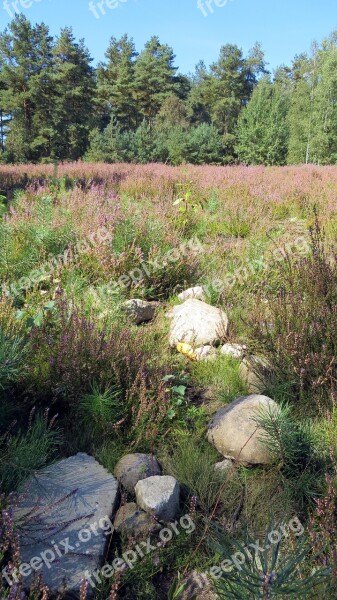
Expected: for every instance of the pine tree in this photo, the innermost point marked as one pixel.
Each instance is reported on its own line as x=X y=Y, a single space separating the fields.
x=154 y=77
x=74 y=83
x=115 y=83
x=220 y=92
x=42 y=95
x=25 y=67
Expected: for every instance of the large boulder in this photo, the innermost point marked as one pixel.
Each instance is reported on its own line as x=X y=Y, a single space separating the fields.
x=235 y=434
x=134 y=467
x=140 y=311
x=197 y=323
x=159 y=496
x=64 y=522
x=194 y=292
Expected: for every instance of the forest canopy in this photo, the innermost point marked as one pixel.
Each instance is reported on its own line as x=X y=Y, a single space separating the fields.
x=137 y=107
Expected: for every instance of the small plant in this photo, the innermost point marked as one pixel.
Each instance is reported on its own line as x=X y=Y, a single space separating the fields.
x=3 y=208
x=36 y=318
x=322 y=529
x=276 y=570
x=25 y=452
x=12 y=356
x=192 y=463
x=292 y=447
x=176 y=588
x=297 y=325
x=178 y=398
x=186 y=202
x=102 y=409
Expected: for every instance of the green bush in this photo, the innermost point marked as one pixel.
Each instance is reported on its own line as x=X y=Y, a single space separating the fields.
x=276 y=569
x=25 y=452
x=12 y=356
x=293 y=448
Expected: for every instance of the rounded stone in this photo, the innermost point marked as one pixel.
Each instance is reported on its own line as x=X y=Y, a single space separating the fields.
x=134 y=467
x=235 y=434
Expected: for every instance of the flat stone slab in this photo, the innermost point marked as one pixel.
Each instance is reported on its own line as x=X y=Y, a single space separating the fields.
x=64 y=521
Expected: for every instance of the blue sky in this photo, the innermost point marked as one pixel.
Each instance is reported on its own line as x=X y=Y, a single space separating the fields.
x=284 y=28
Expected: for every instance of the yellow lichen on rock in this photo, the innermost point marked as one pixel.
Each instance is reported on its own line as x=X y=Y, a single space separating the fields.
x=187 y=350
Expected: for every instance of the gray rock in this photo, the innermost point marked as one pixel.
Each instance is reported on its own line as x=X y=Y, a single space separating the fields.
x=159 y=496
x=140 y=311
x=134 y=467
x=255 y=371
x=198 y=586
x=194 y=292
x=64 y=521
x=197 y=323
x=234 y=350
x=130 y=520
x=224 y=466
x=234 y=432
x=205 y=353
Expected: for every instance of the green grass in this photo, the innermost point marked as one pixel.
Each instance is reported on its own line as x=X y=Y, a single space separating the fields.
x=221 y=376
x=112 y=392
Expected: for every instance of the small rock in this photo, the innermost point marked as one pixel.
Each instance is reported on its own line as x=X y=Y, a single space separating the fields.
x=224 y=466
x=255 y=371
x=197 y=323
x=130 y=520
x=234 y=432
x=134 y=467
x=159 y=496
x=140 y=311
x=205 y=353
x=198 y=586
x=234 y=350
x=194 y=292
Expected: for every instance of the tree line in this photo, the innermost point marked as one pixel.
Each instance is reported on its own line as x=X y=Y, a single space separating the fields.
x=137 y=107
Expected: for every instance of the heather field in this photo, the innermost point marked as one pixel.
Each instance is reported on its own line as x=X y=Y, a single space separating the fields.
x=78 y=373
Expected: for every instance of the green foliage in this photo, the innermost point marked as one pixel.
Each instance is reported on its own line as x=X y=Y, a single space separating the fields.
x=262 y=126
x=223 y=378
x=26 y=452
x=277 y=570
x=192 y=461
x=293 y=448
x=100 y=410
x=135 y=108
x=12 y=356
x=299 y=336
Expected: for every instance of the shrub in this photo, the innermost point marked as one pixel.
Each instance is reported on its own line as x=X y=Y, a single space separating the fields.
x=25 y=452
x=12 y=356
x=297 y=328
x=75 y=354
x=278 y=570
x=322 y=530
x=292 y=446
x=101 y=409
